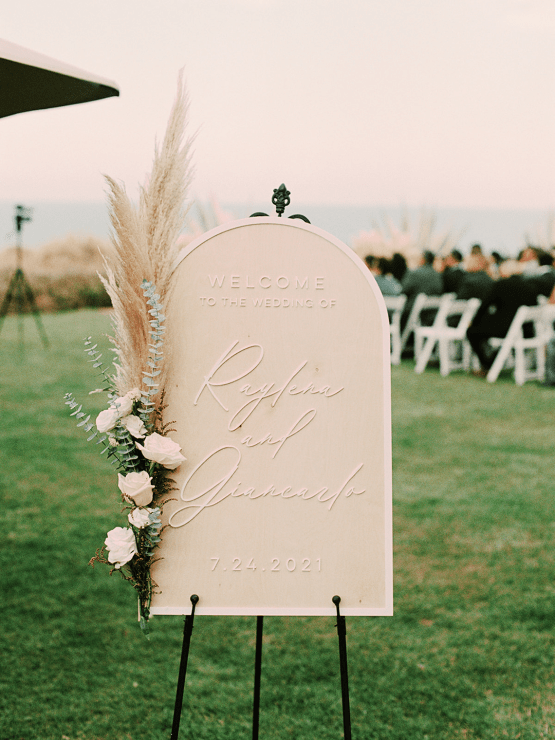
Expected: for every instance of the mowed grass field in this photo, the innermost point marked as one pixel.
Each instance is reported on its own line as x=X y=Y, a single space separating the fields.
x=470 y=652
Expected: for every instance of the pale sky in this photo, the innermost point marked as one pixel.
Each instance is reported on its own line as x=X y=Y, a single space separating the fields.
x=433 y=103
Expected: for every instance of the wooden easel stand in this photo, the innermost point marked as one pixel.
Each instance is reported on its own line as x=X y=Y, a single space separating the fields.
x=187 y=632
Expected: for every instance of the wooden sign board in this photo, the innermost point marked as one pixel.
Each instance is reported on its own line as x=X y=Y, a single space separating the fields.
x=279 y=387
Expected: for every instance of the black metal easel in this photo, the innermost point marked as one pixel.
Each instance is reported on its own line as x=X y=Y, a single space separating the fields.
x=19 y=289
x=187 y=632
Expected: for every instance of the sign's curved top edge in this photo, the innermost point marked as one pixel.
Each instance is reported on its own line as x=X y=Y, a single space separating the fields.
x=294 y=224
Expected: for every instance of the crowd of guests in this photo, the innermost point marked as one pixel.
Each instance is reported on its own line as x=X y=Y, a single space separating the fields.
x=502 y=286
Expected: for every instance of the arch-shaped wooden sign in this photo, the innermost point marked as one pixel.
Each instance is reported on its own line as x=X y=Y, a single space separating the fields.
x=279 y=385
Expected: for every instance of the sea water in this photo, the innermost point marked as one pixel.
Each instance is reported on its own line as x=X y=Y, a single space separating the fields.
x=504 y=230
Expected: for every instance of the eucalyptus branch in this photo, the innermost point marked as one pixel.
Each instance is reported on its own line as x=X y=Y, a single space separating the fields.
x=155 y=354
x=95 y=356
x=126 y=448
x=86 y=424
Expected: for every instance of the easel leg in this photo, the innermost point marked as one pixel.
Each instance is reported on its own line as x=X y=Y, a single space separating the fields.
x=342 y=635
x=257 y=673
x=187 y=632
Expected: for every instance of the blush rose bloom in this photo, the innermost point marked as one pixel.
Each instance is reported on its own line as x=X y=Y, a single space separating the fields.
x=119 y=407
x=140 y=518
x=107 y=420
x=136 y=487
x=134 y=426
x=162 y=450
x=121 y=546
x=123 y=404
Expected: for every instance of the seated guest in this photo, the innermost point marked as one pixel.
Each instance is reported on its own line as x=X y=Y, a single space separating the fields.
x=453 y=272
x=550 y=353
x=424 y=279
x=496 y=260
x=379 y=267
x=370 y=261
x=528 y=259
x=476 y=282
x=386 y=283
x=545 y=262
x=544 y=274
x=498 y=309
x=398 y=266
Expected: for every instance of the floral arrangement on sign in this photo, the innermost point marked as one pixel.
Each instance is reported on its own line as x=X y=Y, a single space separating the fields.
x=131 y=430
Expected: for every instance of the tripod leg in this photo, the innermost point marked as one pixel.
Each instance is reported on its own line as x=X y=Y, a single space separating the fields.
x=34 y=308
x=8 y=298
x=19 y=299
x=20 y=291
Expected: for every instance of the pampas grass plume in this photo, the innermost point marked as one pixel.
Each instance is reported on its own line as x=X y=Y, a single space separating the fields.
x=145 y=241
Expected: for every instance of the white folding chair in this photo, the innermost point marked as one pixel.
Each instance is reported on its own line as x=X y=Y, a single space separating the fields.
x=421 y=303
x=454 y=350
x=529 y=353
x=395 y=305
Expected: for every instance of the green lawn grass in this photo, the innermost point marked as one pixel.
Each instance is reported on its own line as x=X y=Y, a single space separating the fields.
x=469 y=653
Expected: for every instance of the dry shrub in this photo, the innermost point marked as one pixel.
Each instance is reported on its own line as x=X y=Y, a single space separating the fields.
x=406 y=238
x=62 y=273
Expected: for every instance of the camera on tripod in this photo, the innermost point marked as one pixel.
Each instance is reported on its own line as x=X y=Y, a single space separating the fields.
x=22 y=214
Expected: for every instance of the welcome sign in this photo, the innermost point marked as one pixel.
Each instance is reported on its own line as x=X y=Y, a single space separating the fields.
x=279 y=395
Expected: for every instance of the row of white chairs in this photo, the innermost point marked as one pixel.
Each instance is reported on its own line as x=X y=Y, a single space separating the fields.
x=446 y=338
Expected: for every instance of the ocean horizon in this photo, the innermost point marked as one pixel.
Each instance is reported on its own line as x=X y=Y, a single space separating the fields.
x=504 y=230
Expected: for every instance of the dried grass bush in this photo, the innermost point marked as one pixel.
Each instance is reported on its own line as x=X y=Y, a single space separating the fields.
x=63 y=273
x=406 y=238
x=544 y=237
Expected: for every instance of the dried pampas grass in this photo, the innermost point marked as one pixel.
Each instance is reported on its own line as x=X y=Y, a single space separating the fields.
x=410 y=240
x=145 y=241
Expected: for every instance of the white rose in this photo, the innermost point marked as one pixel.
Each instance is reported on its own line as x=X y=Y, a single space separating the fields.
x=134 y=425
x=136 y=487
x=121 y=545
x=134 y=394
x=123 y=404
x=139 y=518
x=162 y=450
x=107 y=420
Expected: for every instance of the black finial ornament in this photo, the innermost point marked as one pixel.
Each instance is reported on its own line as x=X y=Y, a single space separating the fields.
x=281 y=199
